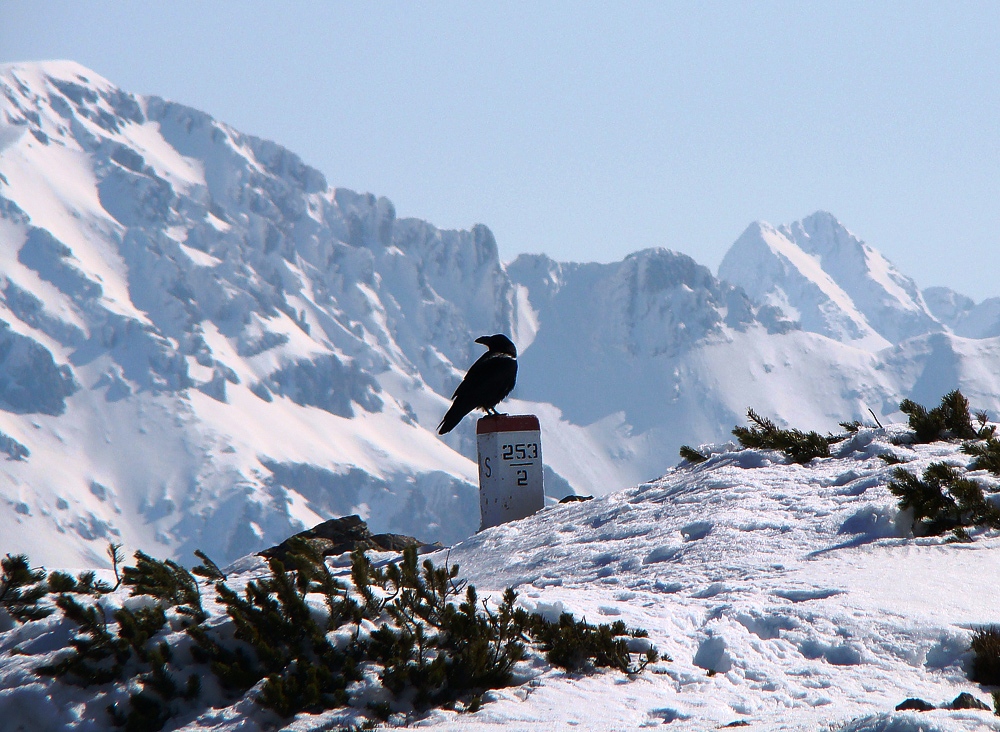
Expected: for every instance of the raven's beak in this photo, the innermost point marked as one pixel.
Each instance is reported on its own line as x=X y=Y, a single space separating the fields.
x=485 y=340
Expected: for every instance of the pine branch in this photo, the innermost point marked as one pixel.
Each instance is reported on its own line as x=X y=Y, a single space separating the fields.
x=115 y=555
x=208 y=569
x=21 y=588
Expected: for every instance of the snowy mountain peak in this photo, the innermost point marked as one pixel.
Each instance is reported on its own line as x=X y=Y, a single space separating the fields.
x=819 y=273
x=963 y=315
x=231 y=350
x=772 y=268
x=204 y=345
x=31 y=78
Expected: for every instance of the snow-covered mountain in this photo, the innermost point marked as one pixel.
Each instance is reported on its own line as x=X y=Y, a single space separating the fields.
x=203 y=344
x=206 y=344
x=963 y=315
x=833 y=283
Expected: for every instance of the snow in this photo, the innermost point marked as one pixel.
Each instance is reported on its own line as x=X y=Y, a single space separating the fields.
x=962 y=314
x=249 y=349
x=200 y=258
x=797 y=586
x=772 y=268
x=839 y=285
x=266 y=352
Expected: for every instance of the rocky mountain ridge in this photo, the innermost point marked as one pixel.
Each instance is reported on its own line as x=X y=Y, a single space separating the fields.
x=203 y=344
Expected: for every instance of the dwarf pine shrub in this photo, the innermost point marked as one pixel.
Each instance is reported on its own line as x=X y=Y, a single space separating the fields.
x=985 y=647
x=103 y=654
x=575 y=644
x=84 y=583
x=207 y=569
x=890 y=458
x=21 y=587
x=434 y=641
x=98 y=655
x=943 y=500
x=167 y=581
x=691 y=455
x=152 y=707
x=800 y=446
x=304 y=671
x=985 y=430
x=950 y=419
x=853 y=426
x=437 y=648
x=986 y=454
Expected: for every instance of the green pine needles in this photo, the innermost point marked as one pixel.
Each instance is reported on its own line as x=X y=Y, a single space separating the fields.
x=943 y=500
x=21 y=587
x=986 y=454
x=136 y=649
x=764 y=434
x=167 y=581
x=985 y=666
x=950 y=419
x=691 y=455
x=985 y=647
x=431 y=645
x=303 y=632
x=288 y=645
x=575 y=645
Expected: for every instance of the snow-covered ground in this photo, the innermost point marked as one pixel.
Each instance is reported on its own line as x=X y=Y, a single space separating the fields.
x=787 y=596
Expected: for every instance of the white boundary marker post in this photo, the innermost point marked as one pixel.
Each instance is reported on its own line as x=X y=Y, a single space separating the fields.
x=510 y=468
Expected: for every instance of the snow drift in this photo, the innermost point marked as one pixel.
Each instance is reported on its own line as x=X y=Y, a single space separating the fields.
x=789 y=597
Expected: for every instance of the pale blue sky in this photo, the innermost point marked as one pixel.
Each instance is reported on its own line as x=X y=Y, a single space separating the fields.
x=589 y=130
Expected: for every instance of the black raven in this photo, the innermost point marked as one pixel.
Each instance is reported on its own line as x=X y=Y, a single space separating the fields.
x=488 y=381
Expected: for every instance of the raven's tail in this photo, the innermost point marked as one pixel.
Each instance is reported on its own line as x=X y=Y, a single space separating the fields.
x=452 y=417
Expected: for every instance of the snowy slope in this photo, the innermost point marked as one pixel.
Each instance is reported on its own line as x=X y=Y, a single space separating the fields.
x=833 y=283
x=657 y=352
x=797 y=585
x=203 y=344
x=772 y=269
x=212 y=355
x=789 y=597
x=963 y=315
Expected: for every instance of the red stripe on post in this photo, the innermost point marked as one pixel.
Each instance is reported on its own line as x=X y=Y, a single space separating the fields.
x=507 y=423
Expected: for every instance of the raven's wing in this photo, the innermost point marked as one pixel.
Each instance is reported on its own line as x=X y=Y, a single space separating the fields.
x=488 y=381
x=493 y=373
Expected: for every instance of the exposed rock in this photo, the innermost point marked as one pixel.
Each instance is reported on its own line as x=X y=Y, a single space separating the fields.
x=918 y=705
x=346 y=534
x=965 y=700
x=14 y=449
x=31 y=382
x=576 y=499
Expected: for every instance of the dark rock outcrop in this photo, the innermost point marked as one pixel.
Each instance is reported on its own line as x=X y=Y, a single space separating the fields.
x=965 y=700
x=918 y=705
x=346 y=534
